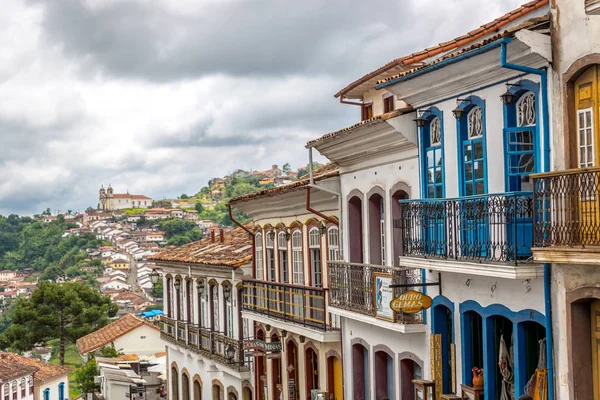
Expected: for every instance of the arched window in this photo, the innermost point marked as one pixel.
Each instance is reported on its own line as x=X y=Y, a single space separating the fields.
x=283 y=257
x=520 y=138
x=197 y=390
x=169 y=282
x=471 y=150
x=179 y=298
x=228 y=310
x=360 y=371
x=333 y=243
x=214 y=295
x=185 y=387
x=258 y=256
x=432 y=147
x=270 y=247
x=61 y=389
x=174 y=383
x=355 y=229
x=314 y=244
x=376 y=230
x=204 y=313
x=189 y=300
x=297 y=261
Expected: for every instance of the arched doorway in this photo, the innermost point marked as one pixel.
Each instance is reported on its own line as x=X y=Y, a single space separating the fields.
x=443 y=325
x=409 y=370
x=185 y=386
x=174 y=383
x=292 y=369
x=335 y=377
x=360 y=371
x=276 y=372
x=355 y=229
x=261 y=371
x=218 y=390
x=246 y=393
x=197 y=390
x=501 y=329
x=384 y=376
x=397 y=239
x=311 y=362
x=376 y=229
x=533 y=347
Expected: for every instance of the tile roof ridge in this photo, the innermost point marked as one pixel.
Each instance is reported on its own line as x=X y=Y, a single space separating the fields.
x=455 y=43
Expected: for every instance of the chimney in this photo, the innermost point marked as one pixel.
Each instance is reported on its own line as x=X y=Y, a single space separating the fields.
x=221 y=237
x=212 y=236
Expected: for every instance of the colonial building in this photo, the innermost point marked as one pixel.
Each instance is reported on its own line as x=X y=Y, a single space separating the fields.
x=566 y=198
x=17 y=380
x=109 y=201
x=203 y=323
x=297 y=341
x=444 y=206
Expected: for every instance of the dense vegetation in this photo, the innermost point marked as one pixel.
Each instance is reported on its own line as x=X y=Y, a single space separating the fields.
x=29 y=243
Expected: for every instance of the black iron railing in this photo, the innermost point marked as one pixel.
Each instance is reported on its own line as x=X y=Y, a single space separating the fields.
x=293 y=303
x=351 y=288
x=567 y=208
x=204 y=341
x=483 y=228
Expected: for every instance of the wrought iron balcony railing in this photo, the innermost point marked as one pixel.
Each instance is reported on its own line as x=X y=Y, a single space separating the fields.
x=204 y=341
x=567 y=208
x=483 y=228
x=292 y=303
x=351 y=288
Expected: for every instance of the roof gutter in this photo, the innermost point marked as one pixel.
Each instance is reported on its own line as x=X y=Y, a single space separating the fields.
x=441 y=64
x=543 y=74
x=236 y=221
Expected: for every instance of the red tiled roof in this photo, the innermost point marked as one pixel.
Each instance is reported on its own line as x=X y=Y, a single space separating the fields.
x=530 y=23
x=483 y=30
x=45 y=371
x=110 y=333
x=234 y=252
x=130 y=196
x=10 y=370
x=327 y=171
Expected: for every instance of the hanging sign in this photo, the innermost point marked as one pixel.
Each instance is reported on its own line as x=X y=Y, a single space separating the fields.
x=261 y=345
x=383 y=296
x=411 y=302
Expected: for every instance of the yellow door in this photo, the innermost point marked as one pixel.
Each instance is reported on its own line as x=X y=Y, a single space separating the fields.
x=337 y=379
x=595 y=318
x=587 y=133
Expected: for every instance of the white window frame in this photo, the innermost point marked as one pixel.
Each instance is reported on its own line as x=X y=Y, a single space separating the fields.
x=215 y=306
x=297 y=258
x=471 y=120
x=314 y=243
x=333 y=243
x=270 y=245
x=282 y=245
x=258 y=257
x=229 y=314
x=588 y=163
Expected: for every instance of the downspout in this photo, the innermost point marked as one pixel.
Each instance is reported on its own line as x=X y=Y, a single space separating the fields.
x=543 y=74
x=312 y=210
x=237 y=222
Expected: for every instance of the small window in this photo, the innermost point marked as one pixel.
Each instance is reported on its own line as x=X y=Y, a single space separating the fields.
x=388 y=104
x=333 y=241
x=142 y=337
x=367 y=111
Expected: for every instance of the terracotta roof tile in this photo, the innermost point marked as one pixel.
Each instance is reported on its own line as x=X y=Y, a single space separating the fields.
x=110 y=333
x=45 y=371
x=235 y=251
x=486 y=29
x=368 y=122
x=11 y=370
x=507 y=33
x=327 y=171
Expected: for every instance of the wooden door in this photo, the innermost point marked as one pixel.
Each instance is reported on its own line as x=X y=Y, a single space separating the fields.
x=595 y=325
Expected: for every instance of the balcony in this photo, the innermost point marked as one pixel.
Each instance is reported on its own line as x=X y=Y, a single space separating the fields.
x=204 y=341
x=489 y=235
x=351 y=290
x=298 y=305
x=567 y=216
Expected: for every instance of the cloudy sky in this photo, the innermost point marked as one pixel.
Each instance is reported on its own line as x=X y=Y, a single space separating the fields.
x=158 y=96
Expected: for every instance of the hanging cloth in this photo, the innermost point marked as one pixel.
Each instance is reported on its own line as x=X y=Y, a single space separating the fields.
x=506 y=370
x=537 y=387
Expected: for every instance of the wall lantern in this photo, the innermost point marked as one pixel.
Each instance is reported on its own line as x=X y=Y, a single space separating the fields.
x=177 y=284
x=200 y=287
x=227 y=292
x=154 y=277
x=323 y=229
x=287 y=236
x=508 y=96
x=229 y=352
x=420 y=120
x=458 y=112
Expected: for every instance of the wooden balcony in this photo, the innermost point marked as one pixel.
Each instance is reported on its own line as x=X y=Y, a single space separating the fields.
x=302 y=305
x=351 y=288
x=567 y=216
x=204 y=341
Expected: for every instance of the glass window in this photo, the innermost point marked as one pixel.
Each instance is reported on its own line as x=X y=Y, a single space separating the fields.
x=333 y=241
x=6 y=391
x=585 y=136
x=215 y=306
x=283 y=257
x=270 y=247
x=434 y=163
x=298 y=264
x=258 y=256
x=473 y=155
x=315 y=256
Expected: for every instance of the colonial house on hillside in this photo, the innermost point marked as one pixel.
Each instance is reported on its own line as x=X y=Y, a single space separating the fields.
x=203 y=323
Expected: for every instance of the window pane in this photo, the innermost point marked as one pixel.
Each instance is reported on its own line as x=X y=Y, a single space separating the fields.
x=438 y=192
x=438 y=176
x=588 y=118
x=468 y=171
x=469 y=189
x=478 y=169
x=430 y=175
x=480 y=187
x=468 y=152
x=478 y=147
x=438 y=157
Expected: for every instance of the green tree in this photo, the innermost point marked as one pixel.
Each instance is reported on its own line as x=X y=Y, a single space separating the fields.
x=286 y=169
x=305 y=170
x=184 y=196
x=157 y=290
x=84 y=377
x=199 y=207
x=64 y=311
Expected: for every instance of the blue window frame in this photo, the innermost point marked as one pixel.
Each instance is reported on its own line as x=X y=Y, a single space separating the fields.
x=61 y=391
x=432 y=147
x=521 y=137
x=472 y=155
x=46 y=394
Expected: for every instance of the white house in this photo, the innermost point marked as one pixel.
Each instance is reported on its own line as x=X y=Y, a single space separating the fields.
x=16 y=379
x=7 y=275
x=129 y=335
x=116 y=283
x=50 y=381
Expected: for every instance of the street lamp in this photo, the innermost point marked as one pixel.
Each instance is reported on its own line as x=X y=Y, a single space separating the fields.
x=200 y=287
x=230 y=352
x=154 y=277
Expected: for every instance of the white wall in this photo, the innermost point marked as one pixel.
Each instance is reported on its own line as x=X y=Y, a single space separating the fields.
x=143 y=340
x=53 y=386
